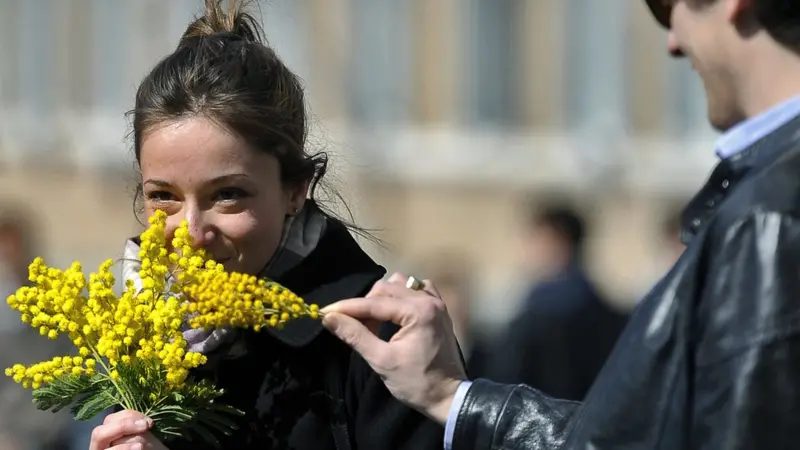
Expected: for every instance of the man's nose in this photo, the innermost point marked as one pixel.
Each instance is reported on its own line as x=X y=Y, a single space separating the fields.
x=673 y=47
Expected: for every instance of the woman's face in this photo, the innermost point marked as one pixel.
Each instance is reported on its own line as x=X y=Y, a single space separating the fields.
x=230 y=193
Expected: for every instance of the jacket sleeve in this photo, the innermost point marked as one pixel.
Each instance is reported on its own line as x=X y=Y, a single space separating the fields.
x=379 y=421
x=502 y=416
x=747 y=358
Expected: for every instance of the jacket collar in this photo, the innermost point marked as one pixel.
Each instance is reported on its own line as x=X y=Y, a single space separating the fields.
x=730 y=172
x=336 y=269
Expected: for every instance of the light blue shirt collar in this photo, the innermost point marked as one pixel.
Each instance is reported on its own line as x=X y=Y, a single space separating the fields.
x=753 y=129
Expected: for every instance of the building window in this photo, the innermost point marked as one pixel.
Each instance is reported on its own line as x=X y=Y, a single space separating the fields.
x=493 y=69
x=380 y=61
x=595 y=32
x=37 y=55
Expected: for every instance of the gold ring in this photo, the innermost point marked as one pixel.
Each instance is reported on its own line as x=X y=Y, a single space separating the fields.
x=414 y=284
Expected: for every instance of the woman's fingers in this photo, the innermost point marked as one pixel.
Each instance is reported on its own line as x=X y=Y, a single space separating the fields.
x=118 y=426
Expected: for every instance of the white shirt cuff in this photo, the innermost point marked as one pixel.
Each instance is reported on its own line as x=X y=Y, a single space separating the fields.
x=452 y=416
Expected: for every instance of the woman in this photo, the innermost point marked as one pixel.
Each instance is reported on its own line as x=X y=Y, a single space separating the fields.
x=219 y=136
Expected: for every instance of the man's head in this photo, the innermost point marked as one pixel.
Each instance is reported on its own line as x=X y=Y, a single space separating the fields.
x=780 y=18
x=732 y=44
x=555 y=239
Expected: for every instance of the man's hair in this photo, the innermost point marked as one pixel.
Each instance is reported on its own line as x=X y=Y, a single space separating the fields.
x=781 y=19
x=565 y=221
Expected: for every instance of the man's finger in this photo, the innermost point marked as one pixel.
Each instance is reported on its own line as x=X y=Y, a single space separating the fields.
x=392 y=289
x=429 y=287
x=380 y=287
x=398 y=278
x=383 y=309
x=355 y=334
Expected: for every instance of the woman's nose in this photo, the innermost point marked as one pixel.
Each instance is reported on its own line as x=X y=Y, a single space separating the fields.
x=200 y=228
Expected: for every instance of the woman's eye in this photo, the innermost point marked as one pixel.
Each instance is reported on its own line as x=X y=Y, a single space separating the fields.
x=159 y=196
x=231 y=194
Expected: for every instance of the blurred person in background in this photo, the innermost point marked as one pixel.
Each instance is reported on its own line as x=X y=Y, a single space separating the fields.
x=16 y=252
x=710 y=358
x=22 y=426
x=564 y=330
x=219 y=131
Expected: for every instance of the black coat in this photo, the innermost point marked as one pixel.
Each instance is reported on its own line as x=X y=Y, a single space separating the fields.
x=283 y=379
x=711 y=357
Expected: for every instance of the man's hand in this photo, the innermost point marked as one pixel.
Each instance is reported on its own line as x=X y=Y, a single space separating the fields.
x=421 y=364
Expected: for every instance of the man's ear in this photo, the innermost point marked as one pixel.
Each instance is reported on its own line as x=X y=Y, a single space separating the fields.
x=737 y=10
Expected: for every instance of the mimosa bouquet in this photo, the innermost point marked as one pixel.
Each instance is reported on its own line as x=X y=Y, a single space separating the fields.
x=130 y=349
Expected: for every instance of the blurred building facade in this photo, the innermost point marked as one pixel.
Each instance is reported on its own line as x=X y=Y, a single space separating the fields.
x=442 y=117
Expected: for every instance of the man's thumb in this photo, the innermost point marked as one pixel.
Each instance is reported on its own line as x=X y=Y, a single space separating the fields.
x=355 y=334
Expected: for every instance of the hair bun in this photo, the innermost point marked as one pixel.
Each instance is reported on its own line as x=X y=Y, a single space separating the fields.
x=231 y=23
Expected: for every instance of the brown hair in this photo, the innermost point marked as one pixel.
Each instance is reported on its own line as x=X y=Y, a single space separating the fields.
x=781 y=19
x=223 y=70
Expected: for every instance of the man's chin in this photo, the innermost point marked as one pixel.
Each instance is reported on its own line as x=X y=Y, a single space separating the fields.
x=724 y=122
x=723 y=116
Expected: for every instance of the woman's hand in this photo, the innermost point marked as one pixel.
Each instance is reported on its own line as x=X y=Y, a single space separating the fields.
x=125 y=430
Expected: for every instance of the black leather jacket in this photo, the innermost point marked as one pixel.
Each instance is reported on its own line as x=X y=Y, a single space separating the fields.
x=711 y=357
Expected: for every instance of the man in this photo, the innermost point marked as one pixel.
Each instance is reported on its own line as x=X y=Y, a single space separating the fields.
x=711 y=357
x=564 y=331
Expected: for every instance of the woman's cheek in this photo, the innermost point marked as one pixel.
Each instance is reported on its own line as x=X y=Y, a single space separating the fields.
x=256 y=241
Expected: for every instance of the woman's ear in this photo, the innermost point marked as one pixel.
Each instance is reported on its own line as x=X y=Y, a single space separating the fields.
x=296 y=198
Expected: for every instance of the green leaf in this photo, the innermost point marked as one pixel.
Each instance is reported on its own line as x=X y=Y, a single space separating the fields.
x=194 y=415
x=138 y=381
x=188 y=413
x=61 y=392
x=96 y=402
